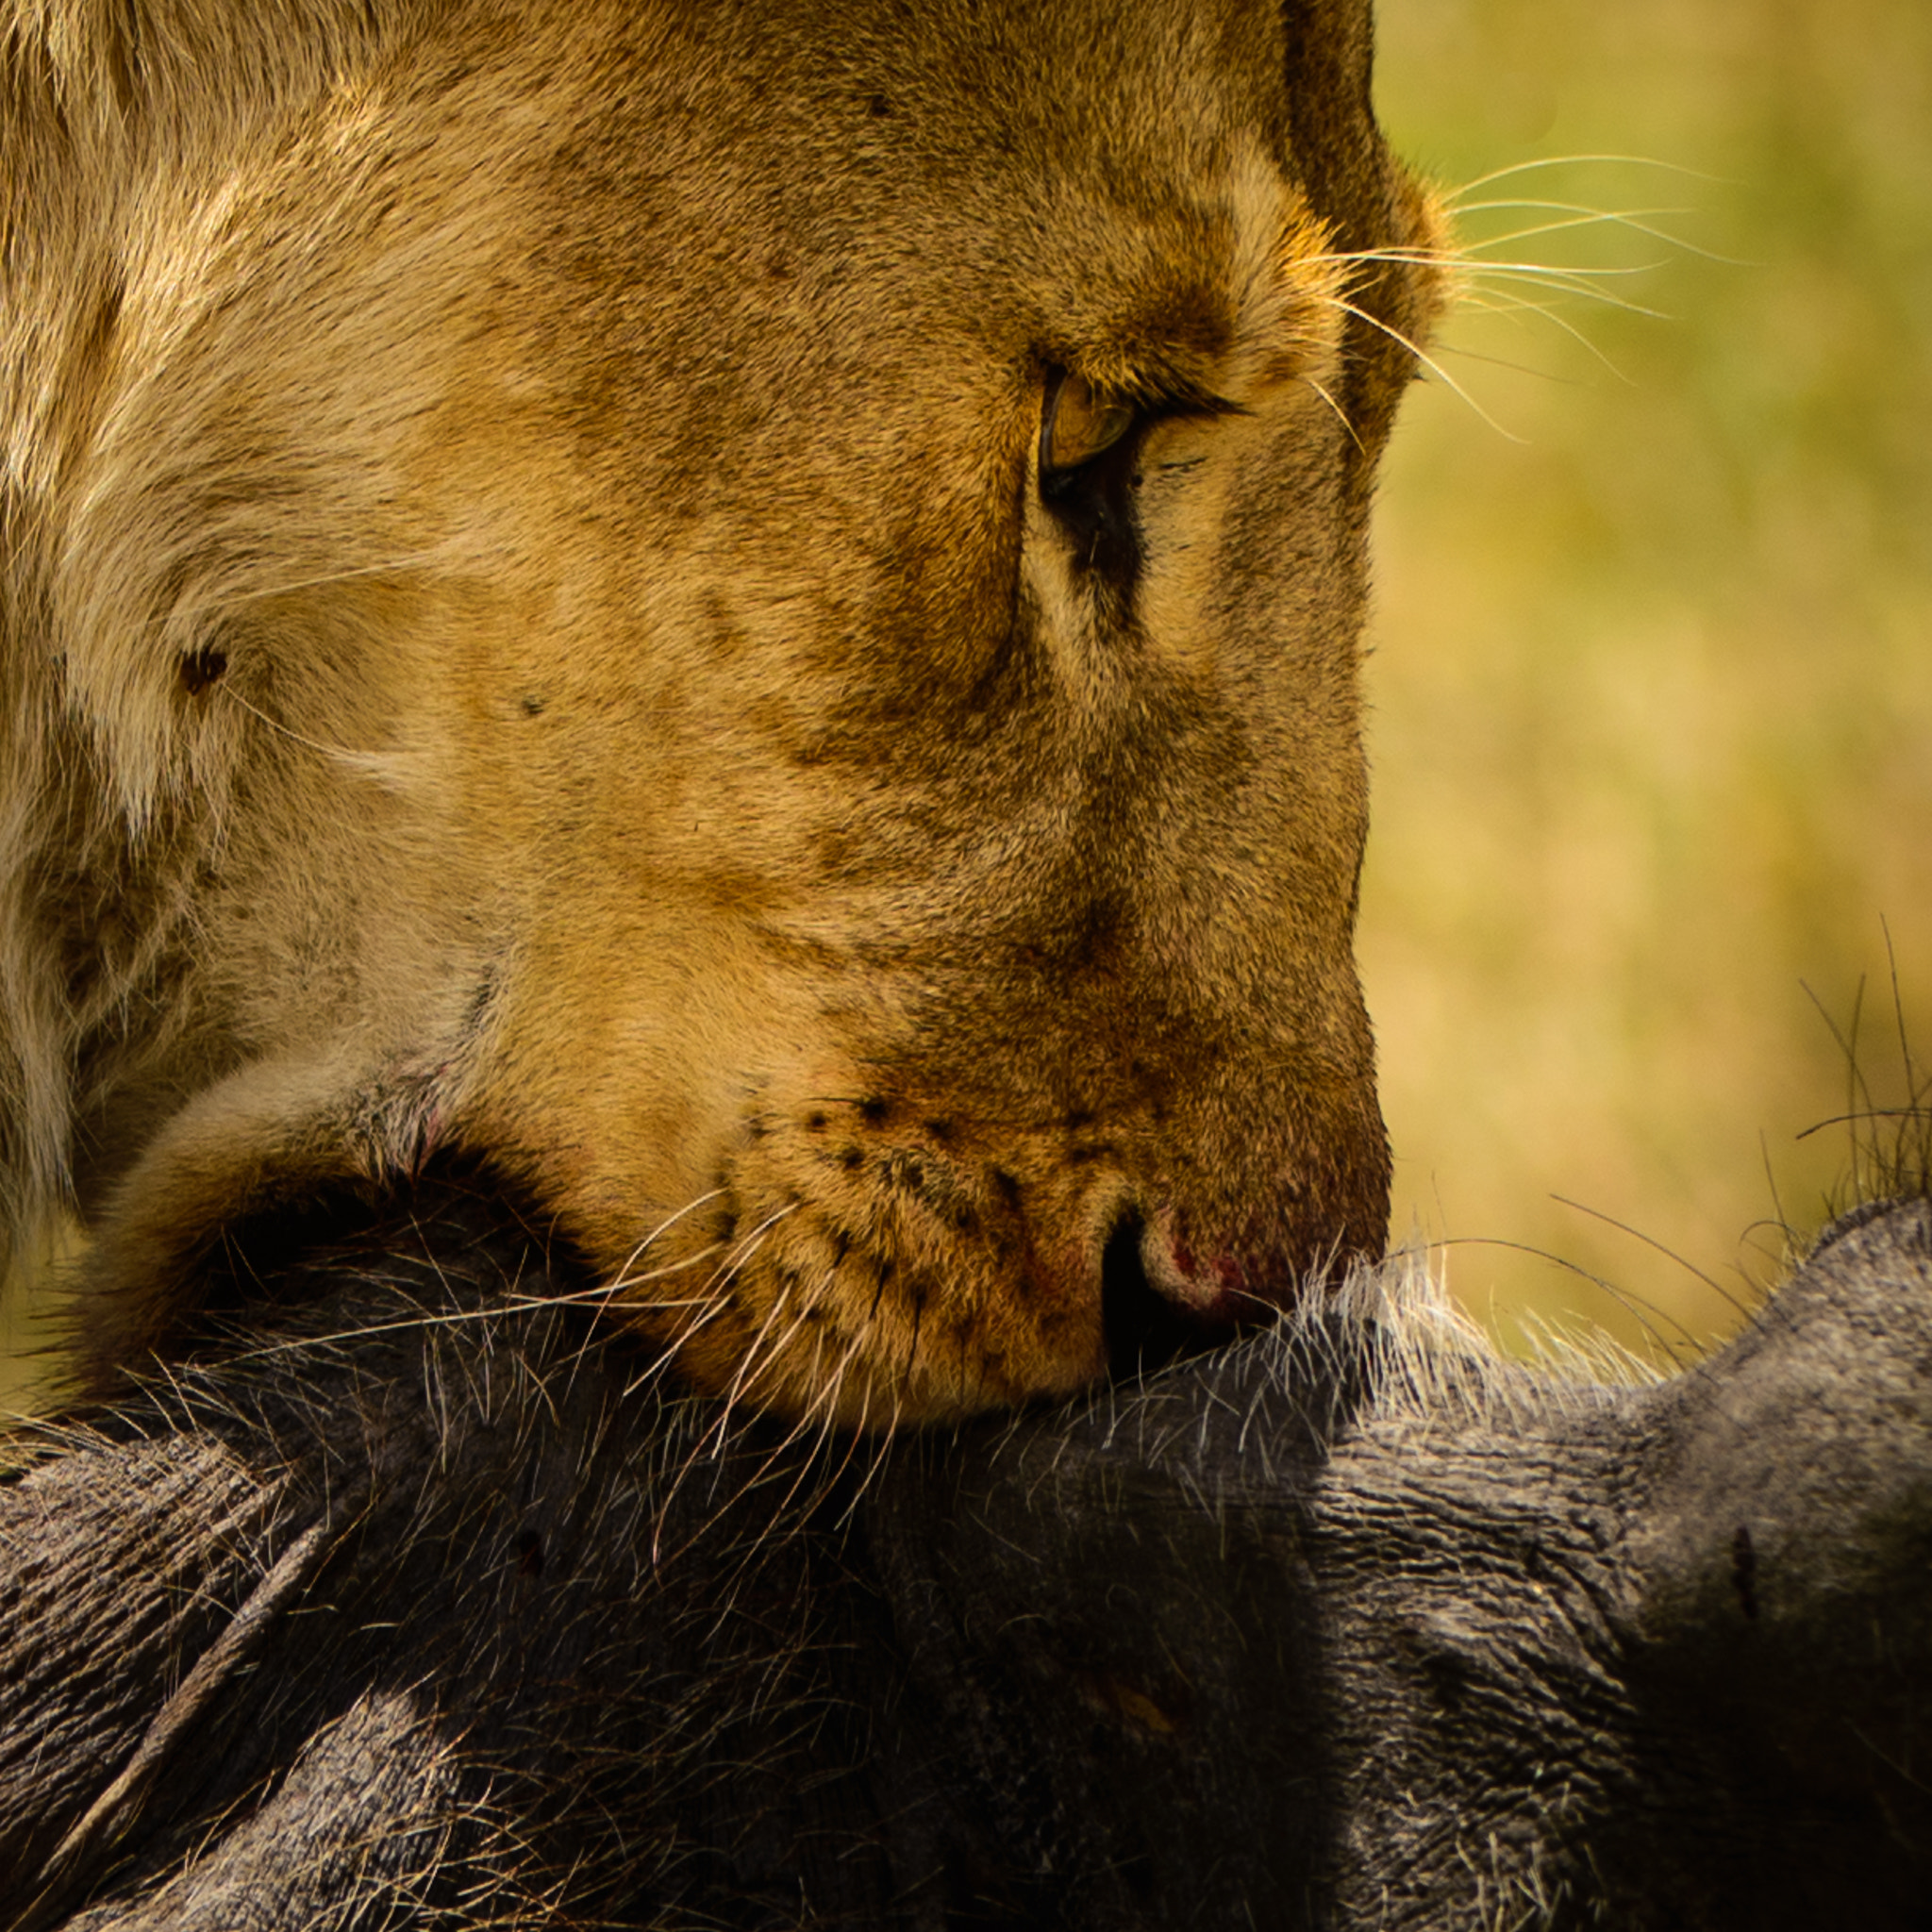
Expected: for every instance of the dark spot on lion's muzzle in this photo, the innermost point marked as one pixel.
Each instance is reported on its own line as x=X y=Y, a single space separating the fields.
x=1144 y=1329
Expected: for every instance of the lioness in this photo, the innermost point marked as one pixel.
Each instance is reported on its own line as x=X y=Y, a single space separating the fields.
x=747 y=612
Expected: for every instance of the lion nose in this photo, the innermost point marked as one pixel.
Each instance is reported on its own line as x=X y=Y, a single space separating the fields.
x=1145 y=1328
x=1242 y=1268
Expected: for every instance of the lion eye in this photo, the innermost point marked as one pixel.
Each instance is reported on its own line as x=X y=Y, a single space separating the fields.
x=1078 y=423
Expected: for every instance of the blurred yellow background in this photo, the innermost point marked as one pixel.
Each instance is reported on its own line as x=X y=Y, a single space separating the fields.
x=1652 y=686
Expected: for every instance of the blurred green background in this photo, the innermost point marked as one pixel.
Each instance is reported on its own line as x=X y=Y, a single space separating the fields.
x=1652 y=686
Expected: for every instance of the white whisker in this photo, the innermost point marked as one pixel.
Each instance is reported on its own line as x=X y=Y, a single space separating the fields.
x=1491 y=304
x=668 y=1222
x=1334 y=409
x=1453 y=197
x=228 y=692
x=1428 y=363
x=712 y=1298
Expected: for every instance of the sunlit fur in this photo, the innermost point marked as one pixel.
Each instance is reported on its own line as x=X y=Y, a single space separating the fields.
x=530 y=628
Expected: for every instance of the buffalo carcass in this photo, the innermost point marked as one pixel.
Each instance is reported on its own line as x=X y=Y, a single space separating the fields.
x=417 y=1596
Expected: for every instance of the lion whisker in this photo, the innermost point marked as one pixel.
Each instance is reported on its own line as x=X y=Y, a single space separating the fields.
x=1580 y=285
x=1336 y=410
x=911 y=1350
x=1465 y=261
x=1453 y=198
x=1588 y=210
x=763 y=1350
x=754 y=1357
x=341 y=752
x=1508 y=363
x=1577 y=281
x=712 y=1299
x=1499 y=305
x=721 y=1427
x=754 y=1240
x=618 y=1283
x=1560 y=282
x=1462 y=257
x=826 y=1401
x=445 y=1318
x=668 y=1222
x=884 y=1439
x=1636 y=221
x=1427 y=361
x=667 y=1354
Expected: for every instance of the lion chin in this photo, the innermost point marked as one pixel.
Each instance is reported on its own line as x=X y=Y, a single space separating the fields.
x=750 y=618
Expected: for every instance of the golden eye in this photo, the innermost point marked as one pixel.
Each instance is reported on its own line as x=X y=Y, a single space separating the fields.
x=1078 y=423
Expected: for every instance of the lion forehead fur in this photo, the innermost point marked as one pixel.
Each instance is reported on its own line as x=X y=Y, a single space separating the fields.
x=538 y=620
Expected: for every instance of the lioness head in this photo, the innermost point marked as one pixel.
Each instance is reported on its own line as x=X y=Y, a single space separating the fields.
x=750 y=612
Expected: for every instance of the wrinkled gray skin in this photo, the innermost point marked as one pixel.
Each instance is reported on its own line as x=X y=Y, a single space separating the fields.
x=387 y=1620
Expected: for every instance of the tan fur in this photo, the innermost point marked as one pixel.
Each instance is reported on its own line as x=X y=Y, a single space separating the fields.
x=532 y=626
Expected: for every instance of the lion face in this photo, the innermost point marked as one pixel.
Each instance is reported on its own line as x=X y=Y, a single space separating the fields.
x=754 y=617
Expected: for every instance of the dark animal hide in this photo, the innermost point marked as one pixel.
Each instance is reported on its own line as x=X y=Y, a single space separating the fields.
x=416 y=1600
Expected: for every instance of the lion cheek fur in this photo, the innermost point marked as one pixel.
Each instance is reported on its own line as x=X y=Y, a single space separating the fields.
x=563 y=654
